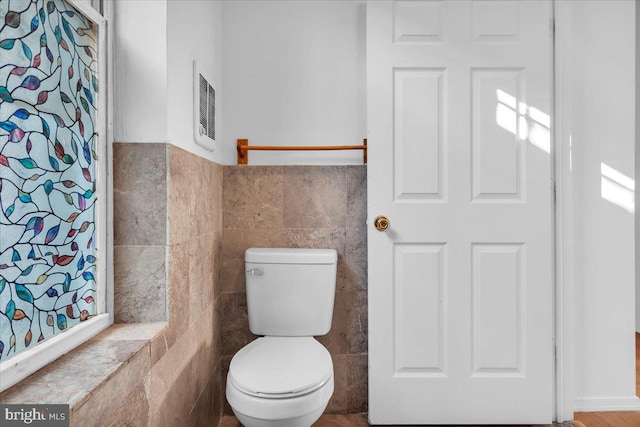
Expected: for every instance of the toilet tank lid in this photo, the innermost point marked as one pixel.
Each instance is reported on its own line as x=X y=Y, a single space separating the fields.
x=291 y=256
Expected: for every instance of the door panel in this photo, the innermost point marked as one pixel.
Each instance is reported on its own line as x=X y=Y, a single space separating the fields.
x=460 y=285
x=418 y=117
x=419 y=330
x=497 y=335
x=496 y=163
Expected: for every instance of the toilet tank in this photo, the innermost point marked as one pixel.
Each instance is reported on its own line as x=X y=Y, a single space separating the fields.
x=290 y=292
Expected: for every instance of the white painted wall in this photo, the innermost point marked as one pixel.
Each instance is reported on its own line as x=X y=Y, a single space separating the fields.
x=194 y=31
x=603 y=133
x=140 y=104
x=156 y=42
x=294 y=74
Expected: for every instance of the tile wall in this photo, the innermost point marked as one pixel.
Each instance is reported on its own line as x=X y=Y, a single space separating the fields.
x=140 y=232
x=167 y=262
x=185 y=378
x=301 y=206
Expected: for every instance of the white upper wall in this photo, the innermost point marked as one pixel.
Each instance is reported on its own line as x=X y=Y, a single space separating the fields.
x=156 y=43
x=193 y=32
x=140 y=104
x=294 y=74
x=602 y=84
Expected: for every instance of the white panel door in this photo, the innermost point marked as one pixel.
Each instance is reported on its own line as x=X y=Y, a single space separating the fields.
x=460 y=285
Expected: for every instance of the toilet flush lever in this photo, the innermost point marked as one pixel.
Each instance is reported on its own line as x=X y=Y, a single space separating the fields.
x=255 y=272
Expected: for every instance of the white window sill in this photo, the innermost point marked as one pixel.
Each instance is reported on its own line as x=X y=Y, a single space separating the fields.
x=72 y=378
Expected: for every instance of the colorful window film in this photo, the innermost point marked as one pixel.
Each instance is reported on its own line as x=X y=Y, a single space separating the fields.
x=48 y=146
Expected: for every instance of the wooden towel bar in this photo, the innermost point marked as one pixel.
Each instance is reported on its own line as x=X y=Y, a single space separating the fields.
x=244 y=147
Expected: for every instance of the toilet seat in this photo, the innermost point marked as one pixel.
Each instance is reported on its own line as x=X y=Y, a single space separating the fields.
x=281 y=367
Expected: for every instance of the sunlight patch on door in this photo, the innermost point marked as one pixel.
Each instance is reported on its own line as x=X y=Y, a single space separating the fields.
x=528 y=123
x=617 y=188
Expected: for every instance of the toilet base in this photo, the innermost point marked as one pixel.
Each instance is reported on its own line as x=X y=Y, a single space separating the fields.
x=303 y=421
x=300 y=411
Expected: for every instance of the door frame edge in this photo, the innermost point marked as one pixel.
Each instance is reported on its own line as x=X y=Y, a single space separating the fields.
x=564 y=393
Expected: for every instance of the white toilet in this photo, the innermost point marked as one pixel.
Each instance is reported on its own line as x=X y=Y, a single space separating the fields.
x=285 y=378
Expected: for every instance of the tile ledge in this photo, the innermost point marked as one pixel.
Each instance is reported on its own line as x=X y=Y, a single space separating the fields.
x=131 y=331
x=112 y=349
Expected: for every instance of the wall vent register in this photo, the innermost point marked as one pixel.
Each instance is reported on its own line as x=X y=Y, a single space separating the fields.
x=204 y=108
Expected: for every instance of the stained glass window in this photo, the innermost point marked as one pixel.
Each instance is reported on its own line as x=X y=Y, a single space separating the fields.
x=48 y=167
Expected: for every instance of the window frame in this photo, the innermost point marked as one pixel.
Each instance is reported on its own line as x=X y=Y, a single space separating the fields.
x=17 y=368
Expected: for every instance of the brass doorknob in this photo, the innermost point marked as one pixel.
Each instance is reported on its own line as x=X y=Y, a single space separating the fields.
x=381 y=223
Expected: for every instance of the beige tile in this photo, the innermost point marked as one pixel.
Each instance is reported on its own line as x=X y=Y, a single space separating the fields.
x=229 y=421
x=224 y=370
x=89 y=366
x=339 y=402
x=336 y=340
x=217 y=330
x=217 y=182
x=123 y=363
x=235 y=323
x=315 y=197
x=134 y=411
x=201 y=365
x=357 y=196
x=321 y=238
x=201 y=274
x=356 y=259
x=109 y=395
x=194 y=196
x=171 y=394
x=139 y=284
x=218 y=390
x=252 y=197
x=159 y=346
x=341 y=420
x=357 y=383
x=47 y=387
x=217 y=264
x=204 y=189
x=179 y=286
x=132 y=331
x=181 y=202
x=324 y=238
x=357 y=322
x=234 y=244
x=168 y=407
x=202 y=413
x=139 y=194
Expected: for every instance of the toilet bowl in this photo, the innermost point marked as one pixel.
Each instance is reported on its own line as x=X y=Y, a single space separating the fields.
x=285 y=378
x=280 y=381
